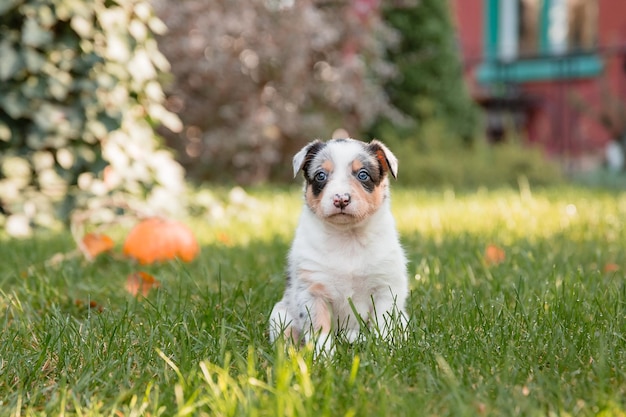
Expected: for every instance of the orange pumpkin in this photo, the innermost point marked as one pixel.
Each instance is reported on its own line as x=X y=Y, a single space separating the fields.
x=156 y=239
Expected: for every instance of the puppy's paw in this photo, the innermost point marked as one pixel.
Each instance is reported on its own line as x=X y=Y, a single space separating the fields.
x=281 y=324
x=352 y=335
x=393 y=327
x=324 y=346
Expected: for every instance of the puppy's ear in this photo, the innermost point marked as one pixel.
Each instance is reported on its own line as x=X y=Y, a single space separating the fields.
x=386 y=159
x=305 y=155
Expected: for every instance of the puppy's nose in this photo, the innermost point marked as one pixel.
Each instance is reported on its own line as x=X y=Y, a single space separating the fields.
x=341 y=200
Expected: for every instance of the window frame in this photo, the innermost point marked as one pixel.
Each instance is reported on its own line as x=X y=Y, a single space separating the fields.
x=547 y=65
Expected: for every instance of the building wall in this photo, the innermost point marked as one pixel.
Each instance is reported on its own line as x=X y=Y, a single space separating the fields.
x=561 y=121
x=612 y=25
x=468 y=16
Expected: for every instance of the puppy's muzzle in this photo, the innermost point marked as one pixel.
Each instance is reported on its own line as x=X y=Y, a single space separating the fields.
x=341 y=200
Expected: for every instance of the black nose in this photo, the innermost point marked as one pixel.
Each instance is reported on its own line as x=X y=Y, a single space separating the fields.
x=341 y=200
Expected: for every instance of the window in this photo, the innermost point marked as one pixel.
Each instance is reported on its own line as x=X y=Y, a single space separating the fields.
x=529 y=35
x=582 y=23
x=540 y=39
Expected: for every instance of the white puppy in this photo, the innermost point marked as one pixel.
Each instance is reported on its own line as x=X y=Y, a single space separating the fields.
x=346 y=256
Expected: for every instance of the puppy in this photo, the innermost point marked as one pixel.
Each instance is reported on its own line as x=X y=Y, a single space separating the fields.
x=346 y=257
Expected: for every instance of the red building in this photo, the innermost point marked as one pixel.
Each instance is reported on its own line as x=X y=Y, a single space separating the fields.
x=553 y=70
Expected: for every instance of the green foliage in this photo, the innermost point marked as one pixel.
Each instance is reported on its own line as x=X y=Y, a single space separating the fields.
x=541 y=333
x=433 y=157
x=430 y=81
x=79 y=91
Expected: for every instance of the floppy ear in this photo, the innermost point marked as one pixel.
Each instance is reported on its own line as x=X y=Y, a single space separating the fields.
x=386 y=159
x=305 y=155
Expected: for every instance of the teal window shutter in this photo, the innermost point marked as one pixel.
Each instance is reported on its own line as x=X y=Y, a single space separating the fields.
x=492 y=28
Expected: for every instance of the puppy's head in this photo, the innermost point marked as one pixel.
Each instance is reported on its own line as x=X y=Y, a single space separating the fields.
x=346 y=180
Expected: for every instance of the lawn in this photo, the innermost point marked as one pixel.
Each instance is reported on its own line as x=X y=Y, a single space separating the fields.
x=517 y=307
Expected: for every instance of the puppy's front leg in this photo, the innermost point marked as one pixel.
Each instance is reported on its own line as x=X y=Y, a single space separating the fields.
x=315 y=311
x=388 y=315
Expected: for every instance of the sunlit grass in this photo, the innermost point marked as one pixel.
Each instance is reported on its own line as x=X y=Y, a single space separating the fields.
x=540 y=332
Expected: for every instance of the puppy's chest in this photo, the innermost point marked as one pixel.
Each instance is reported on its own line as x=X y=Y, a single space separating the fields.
x=349 y=262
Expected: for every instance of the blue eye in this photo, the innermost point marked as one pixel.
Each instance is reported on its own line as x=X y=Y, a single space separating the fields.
x=362 y=175
x=320 y=176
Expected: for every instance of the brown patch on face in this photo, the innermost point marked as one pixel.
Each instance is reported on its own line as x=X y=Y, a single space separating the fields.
x=313 y=201
x=370 y=193
x=357 y=165
x=368 y=202
x=328 y=166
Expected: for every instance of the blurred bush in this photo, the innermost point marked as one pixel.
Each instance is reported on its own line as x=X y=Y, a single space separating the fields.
x=79 y=96
x=257 y=79
x=433 y=160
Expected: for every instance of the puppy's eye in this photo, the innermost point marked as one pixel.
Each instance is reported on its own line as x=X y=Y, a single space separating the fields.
x=321 y=176
x=362 y=175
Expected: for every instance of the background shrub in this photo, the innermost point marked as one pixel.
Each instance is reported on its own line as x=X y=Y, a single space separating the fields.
x=433 y=160
x=79 y=96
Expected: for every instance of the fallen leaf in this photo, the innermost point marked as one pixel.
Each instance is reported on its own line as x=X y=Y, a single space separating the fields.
x=91 y=305
x=610 y=267
x=141 y=283
x=224 y=238
x=494 y=255
x=96 y=243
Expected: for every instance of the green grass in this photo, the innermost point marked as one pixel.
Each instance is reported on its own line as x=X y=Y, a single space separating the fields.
x=541 y=334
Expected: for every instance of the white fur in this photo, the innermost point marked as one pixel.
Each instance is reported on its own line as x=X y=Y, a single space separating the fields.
x=337 y=260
